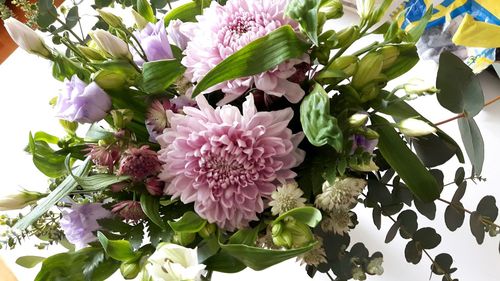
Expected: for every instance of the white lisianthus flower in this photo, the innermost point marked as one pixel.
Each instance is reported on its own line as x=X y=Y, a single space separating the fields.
x=415 y=128
x=111 y=44
x=19 y=200
x=286 y=198
x=26 y=38
x=172 y=262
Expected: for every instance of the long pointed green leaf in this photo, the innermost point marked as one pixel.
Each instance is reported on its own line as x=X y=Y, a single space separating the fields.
x=55 y=196
x=159 y=75
x=151 y=206
x=259 y=56
x=473 y=142
x=394 y=150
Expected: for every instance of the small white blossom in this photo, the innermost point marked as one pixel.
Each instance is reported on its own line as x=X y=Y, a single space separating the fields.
x=358 y=274
x=171 y=262
x=340 y=195
x=315 y=256
x=338 y=221
x=286 y=198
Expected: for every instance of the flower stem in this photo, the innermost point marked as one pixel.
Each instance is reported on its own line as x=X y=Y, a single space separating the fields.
x=329 y=276
x=461 y=208
x=462 y=115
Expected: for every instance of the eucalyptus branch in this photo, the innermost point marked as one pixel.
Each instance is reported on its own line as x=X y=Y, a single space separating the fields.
x=461 y=208
x=329 y=276
x=462 y=115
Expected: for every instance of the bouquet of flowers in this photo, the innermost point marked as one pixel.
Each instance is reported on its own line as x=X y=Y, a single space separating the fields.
x=211 y=136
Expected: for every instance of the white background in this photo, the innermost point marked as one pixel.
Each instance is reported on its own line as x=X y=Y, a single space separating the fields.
x=26 y=86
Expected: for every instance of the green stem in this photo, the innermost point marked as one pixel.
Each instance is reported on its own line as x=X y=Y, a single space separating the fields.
x=70 y=31
x=368 y=48
x=461 y=208
x=329 y=276
x=142 y=53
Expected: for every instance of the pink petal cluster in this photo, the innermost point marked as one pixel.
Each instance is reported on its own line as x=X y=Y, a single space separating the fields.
x=227 y=162
x=223 y=30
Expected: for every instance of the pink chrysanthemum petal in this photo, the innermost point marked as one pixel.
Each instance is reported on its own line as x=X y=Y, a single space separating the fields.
x=228 y=162
x=223 y=30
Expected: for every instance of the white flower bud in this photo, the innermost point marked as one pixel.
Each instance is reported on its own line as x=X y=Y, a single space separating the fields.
x=111 y=44
x=358 y=119
x=26 y=38
x=19 y=200
x=415 y=128
x=365 y=8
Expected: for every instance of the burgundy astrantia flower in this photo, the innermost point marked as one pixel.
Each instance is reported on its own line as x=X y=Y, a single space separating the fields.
x=129 y=210
x=155 y=186
x=140 y=163
x=104 y=156
x=227 y=162
x=223 y=30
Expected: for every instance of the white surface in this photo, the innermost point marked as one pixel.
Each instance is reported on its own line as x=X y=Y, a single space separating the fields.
x=26 y=86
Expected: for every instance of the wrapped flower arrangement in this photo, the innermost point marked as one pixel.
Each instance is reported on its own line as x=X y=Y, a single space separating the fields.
x=212 y=136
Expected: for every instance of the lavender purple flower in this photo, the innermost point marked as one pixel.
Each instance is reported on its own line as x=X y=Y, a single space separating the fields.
x=80 y=222
x=153 y=39
x=81 y=102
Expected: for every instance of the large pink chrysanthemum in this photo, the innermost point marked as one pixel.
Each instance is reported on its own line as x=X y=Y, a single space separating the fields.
x=226 y=162
x=223 y=30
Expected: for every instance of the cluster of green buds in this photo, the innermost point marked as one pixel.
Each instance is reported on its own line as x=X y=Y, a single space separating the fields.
x=330 y=40
x=290 y=233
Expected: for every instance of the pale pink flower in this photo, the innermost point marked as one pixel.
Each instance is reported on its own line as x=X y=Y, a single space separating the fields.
x=228 y=162
x=223 y=30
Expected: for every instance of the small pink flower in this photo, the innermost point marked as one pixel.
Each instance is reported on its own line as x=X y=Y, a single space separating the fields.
x=222 y=30
x=129 y=210
x=226 y=161
x=155 y=186
x=140 y=163
x=104 y=156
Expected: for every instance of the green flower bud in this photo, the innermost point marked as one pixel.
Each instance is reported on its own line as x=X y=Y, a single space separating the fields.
x=301 y=233
x=91 y=53
x=276 y=229
x=369 y=69
x=332 y=9
x=347 y=35
x=19 y=200
x=284 y=239
x=389 y=54
x=328 y=39
x=208 y=230
x=121 y=117
x=140 y=21
x=342 y=67
x=369 y=92
x=109 y=18
x=111 y=80
x=130 y=270
x=183 y=238
x=322 y=54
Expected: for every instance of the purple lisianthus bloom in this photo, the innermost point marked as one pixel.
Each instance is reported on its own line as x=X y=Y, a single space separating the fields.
x=80 y=222
x=175 y=31
x=81 y=102
x=363 y=143
x=154 y=41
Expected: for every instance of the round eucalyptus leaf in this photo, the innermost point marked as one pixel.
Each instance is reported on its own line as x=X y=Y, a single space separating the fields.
x=392 y=232
x=459 y=176
x=413 y=253
x=409 y=224
x=442 y=264
x=477 y=227
x=427 y=209
x=427 y=237
x=453 y=217
x=459 y=194
x=487 y=208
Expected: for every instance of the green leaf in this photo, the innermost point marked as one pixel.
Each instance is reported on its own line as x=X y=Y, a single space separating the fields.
x=416 y=32
x=223 y=262
x=459 y=194
x=442 y=264
x=159 y=75
x=120 y=250
x=29 y=261
x=45 y=158
x=186 y=12
x=87 y=264
x=401 y=110
x=459 y=176
x=72 y=17
x=459 y=88
x=307 y=215
x=454 y=217
x=413 y=253
x=146 y=11
x=409 y=224
x=319 y=126
x=259 y=56
x=306 y=14
x=394 y=150
x=259 y=258
x=477 y=227
x=246 y=236
x=207 y=248
x=432 y=150
x=391 y=234
x=487 y=208
x=151 y=206
x=428 y=209
x=63 y=189
x=96 y=182
x=96 y=133
x=189 y=223
x=473 y=142
x=427 y=238
x=47 y=13
x=43 y=136
x=407 y=59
